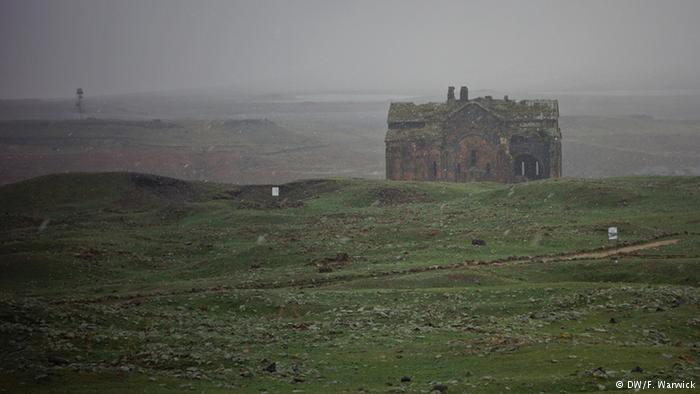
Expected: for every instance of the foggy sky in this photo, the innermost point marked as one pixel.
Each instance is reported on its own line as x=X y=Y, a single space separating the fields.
x=50 y=47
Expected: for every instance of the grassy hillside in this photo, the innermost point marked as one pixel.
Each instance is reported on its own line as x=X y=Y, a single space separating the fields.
x=123 y=281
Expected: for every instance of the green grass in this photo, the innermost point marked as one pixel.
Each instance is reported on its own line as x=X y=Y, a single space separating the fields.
x=202 y=286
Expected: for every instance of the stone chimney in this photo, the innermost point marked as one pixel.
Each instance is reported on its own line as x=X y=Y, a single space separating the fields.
x=450 y=94
x=463 y=94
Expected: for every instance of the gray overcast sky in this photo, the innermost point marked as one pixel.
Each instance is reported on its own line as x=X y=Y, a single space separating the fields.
x=50 y=47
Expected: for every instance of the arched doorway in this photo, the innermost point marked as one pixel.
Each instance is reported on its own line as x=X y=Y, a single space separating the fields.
x=528 y=167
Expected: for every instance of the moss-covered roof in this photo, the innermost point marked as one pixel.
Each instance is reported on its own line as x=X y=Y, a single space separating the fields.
x=409 y=121
x=430 y=132
x=410 y=112
x=507 y=110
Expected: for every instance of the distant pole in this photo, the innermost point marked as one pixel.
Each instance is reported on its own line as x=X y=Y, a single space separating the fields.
x=79 y=102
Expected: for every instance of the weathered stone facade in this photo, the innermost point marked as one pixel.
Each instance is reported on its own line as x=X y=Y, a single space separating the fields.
x=481 y=139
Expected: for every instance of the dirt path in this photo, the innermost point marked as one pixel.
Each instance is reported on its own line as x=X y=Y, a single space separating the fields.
x=316 y=282
x=611 y=252
x=591 y=254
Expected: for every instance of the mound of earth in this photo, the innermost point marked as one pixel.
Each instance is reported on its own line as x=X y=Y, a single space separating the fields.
x=144 y=190
x=395 y=196
x=163 y=186
x=96 y=191
x=291 y=195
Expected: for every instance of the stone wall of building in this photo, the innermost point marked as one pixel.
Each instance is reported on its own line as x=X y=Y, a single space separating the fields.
x=473 y=143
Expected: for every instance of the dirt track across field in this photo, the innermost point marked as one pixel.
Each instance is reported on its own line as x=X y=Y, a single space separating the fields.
x=611 y=252
x=592 y=254
x=315 y=282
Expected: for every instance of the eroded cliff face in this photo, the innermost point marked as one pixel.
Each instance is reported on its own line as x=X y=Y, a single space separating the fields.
x=478 y=140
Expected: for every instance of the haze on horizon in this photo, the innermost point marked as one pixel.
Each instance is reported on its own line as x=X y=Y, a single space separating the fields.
x=110 y=47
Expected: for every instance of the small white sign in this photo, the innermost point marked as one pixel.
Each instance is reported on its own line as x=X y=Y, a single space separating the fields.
x=612 y=233
x=275 y=191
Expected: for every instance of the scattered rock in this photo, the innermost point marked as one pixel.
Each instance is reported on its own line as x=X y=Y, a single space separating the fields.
x=342 y=257
x=56 y=360
x=599 y=373
x=440 y=388
x=327 y=264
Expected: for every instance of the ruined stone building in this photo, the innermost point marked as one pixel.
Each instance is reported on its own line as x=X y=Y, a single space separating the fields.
x=481 y=139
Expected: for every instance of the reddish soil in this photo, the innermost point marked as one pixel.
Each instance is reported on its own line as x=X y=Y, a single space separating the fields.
x=216 y=166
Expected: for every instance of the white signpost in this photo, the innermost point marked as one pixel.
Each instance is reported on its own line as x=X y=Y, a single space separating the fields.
x=612 y=233
x=275 y=191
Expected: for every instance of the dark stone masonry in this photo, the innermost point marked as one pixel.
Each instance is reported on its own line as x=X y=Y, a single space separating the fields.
x=481 y=139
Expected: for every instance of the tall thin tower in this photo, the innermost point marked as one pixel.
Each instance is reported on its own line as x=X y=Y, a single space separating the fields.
x=79 y=102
